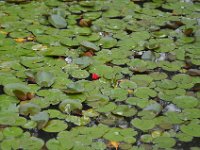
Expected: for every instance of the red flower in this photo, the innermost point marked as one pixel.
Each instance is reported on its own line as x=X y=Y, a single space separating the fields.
x=95 y=76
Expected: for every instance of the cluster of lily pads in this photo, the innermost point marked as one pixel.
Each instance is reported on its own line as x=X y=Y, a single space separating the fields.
x=99 y=74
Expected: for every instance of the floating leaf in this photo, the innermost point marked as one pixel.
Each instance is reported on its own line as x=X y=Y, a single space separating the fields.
x=57 y=21
x=144 y=92
x=80 y=121
x=126 y=84
x=74 y=88
x=165 y=142
x=166 y=84
x=191 y=129
x=184 y=137
x=29 y=108
x=124 y=110
x=44 y=79
x=90 y=46
x=143 y=125
x=53 y=144
x=108 y=42
x=79 y=74
x=185 y=101
x=32 y=143
x=10 y=132
x=12 y=88
x=55 y=126
x=41 y=118
x=107 y=108
x=69 y=105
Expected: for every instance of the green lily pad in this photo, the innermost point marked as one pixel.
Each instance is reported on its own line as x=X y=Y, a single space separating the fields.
x=53 y=144
x=32 y=143
x=146 y=54
x=68 y=105
x=124 y=110
x=57 y=21
x=144 y=92
x=29 y=108
x=146 y=138
x=79 y=74
x=80 y=121
x=139 y=102
x=165 y=142
x=107 y=108
x=87 y=3
x=114 y=135
x=41 y=118
x=83 y=62
x=185 y=101
x=107 y=42
x=155 y=107
x=55 y=126
x=69 y=42
x=158 y=75
x=90 y=113
x=191 y=113
x=184 y=137
x=30 y=125
x=166 y=84
x=142 y=80
x=191 y=129
x=44 y=79
x=126 y=84
x=143 y=125
x=10 y=88
x=89 y=45
x=184 y=81
x=74 y=88
x=118 y=94
x=53 y=113
x=10 y=132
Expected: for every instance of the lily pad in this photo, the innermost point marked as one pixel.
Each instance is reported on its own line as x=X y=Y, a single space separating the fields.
x=68 y=106
x=79 y=74
x=10 y=132
x=41 y=118
x=124 y=110
x=57 y=21
x=29 y=108
x=10 y=88
x=54 y=144
x=107 y=108
x=90 y=46
x=144 y=92
x=165 y=142
x=191 y=129
x=80 y=121
x=55 y=126
x=166 y=84
x=44 y=79
x=185 y=101
x=108 y=42
x=143 y=125
x=126 y=84
x=74 y=88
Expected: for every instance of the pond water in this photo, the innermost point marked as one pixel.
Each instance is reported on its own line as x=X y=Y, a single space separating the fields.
x=99 y=74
